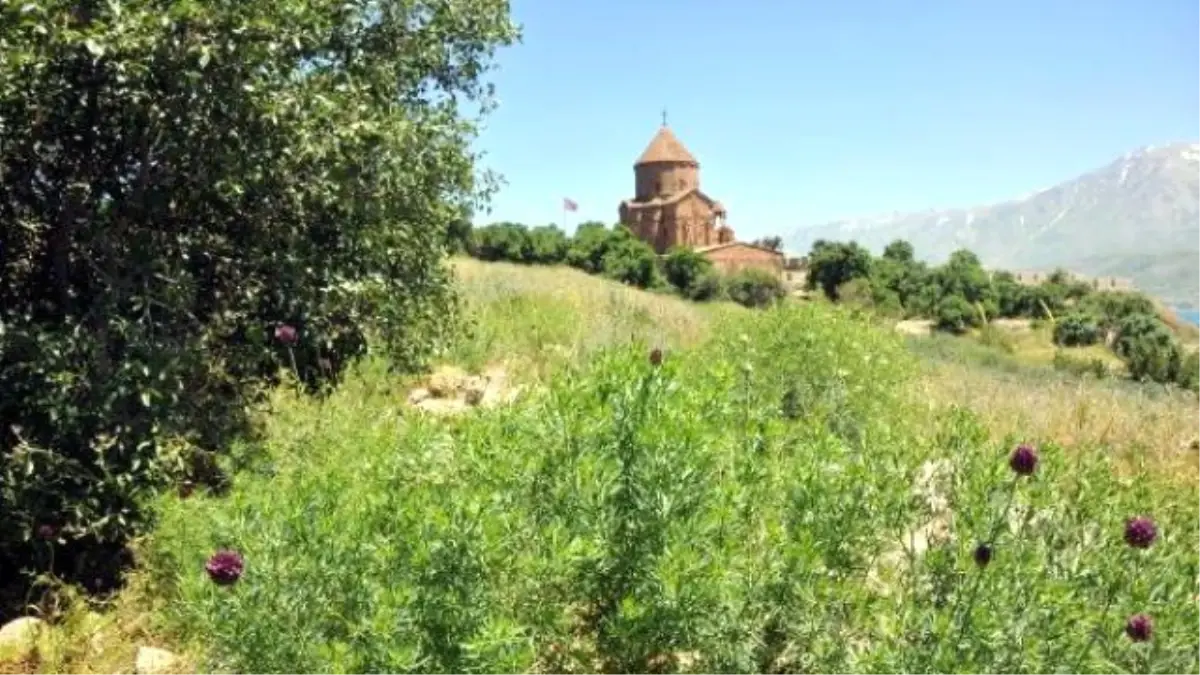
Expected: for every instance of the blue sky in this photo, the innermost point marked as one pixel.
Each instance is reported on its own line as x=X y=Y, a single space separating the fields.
x=801 y=112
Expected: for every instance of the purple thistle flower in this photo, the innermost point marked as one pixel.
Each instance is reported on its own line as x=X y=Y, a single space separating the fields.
x=656 y=357
x=46 y=532
x=1140 y=532
x=225 y=567
x=286 y=334
x=1139 y=628
x=983 y=555
x=1023 y=460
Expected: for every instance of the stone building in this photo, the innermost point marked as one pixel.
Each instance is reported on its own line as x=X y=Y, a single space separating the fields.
x=669 y=209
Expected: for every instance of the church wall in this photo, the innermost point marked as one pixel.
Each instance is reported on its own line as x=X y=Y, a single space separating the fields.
x=695 y=218
x=738 y=257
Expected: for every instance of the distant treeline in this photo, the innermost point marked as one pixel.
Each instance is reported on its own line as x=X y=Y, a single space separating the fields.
x=960 y=294
x=615 y=253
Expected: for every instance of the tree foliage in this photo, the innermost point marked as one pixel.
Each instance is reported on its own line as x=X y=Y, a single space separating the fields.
x=181 y=179
x=683 y=268
x=1077 y=329
x=754 y=287
x=831 y=264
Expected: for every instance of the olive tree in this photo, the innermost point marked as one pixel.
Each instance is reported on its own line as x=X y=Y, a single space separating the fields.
x=196 y=194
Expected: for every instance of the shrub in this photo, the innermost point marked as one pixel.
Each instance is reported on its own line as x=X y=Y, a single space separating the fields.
x=1189 y=372
x=592 y=241
x=1150 y=351
x=502 y=242
x=548 y=245
x=1077 y=329
x=753 y=287
x=179 y=182
x=684 y=267
x=708 y=286
x=632 y=261
x=954 y=314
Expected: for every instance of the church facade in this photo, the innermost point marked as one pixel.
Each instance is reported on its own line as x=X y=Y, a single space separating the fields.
x=670 y=209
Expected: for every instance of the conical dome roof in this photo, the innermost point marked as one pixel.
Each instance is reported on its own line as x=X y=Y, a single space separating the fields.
x=664 y=147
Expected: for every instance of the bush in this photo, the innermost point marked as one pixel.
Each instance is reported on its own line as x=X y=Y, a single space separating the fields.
x=508 y=242
x=1189 y=372
x=707 y=287
x=632 y=261
x=954 y=315
x=591 y=243
x=753 y=287
x=1150 y=351
x=191 y=203
x=547 y=245
x=684 y=267
x=1077 y=329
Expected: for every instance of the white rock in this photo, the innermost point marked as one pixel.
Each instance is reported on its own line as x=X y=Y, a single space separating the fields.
x=18 y=638
x=155 y=661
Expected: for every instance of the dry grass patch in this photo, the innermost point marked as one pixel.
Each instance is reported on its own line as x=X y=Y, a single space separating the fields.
x=535 y=318
x=1140 y=423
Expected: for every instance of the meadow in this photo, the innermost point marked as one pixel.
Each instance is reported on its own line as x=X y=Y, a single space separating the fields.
x=686 y=487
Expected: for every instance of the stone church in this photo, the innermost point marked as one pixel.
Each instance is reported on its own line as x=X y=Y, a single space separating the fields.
x=669 y=209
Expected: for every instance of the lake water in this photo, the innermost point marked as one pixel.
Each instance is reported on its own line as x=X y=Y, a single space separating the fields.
x=1191 y=316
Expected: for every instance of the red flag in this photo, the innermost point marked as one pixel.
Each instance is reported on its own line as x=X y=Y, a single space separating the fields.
x=570 y=205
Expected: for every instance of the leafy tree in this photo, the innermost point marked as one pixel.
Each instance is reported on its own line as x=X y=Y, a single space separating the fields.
x=1113 y=306
x=458 y=236
x=1149 y=350
x=754 y=287
x=899 y=251
x=963 y=275
x=632 y=261
x=832 y=264
x=1077 y=329
x=683 y=267
x=196 y=194
x=548 y=245
x=502 y=242
x=591 y=243
x=955 y=314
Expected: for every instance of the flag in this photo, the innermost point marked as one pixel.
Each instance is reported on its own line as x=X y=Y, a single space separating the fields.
x=569 y=205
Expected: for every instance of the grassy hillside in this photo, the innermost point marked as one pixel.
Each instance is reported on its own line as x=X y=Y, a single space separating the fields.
x=792 y=490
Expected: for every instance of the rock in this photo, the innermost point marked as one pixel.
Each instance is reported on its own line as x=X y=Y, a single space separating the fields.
x=915 y=327
x=473 y=388
x=153 y=660
x=443 y=406
x=19 y=637
x=452 y=391
x=446 y=381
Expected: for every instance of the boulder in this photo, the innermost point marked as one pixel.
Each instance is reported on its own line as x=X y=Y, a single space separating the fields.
x=155 y=661
x=19 y=637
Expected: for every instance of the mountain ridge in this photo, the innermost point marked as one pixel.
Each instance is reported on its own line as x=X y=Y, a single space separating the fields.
x=1135 y=217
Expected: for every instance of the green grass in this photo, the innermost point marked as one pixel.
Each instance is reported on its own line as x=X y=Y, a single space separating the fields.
x=751 y=505
x=743 y=507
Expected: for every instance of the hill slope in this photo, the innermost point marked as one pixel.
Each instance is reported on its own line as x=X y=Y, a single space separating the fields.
x=1136 y=217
